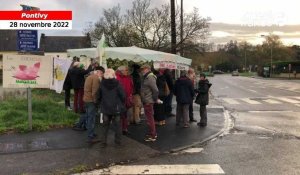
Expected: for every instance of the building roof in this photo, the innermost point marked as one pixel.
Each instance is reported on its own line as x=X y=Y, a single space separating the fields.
x=8 y=40
x=62 y=43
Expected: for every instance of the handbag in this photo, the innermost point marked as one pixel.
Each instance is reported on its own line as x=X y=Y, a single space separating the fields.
x=167 y=89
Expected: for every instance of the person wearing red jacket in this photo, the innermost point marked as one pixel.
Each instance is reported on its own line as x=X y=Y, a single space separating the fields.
x=126 y=81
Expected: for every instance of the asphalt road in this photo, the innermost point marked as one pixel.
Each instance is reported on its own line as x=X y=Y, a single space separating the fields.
x=262 y=137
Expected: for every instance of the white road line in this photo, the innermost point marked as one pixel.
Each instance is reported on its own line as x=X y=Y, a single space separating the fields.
x=293 y=88
x=297 y=97
x=272 y=101
x=253 y=102
x=287 y=100
x=160 y=169
x=269 y=111
x=231 y=101
x=252 y=90
x=297 y=105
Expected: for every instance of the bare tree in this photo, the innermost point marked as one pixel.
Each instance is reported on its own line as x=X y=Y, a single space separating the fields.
x=148 y=27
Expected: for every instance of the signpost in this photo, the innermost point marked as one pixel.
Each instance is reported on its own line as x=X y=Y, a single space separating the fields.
x=27 y=40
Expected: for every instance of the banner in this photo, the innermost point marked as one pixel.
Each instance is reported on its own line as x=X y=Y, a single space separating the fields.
x=23 y=71
x=60 y=70
x=169 y=65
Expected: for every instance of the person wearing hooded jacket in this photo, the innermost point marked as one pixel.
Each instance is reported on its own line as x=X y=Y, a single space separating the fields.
x=203 y=98
x=111 y=97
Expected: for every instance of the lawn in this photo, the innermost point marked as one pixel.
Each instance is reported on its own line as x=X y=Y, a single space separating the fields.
x=48 y=112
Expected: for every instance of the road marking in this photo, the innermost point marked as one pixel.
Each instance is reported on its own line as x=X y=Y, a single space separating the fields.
x=231 y=101
x=287 y=100
x=293 y=88
x=297 y=98
x=193 y=150
x=160 y=169
x=268 y=111
x=297 y=105
x=253 y=102
x=272 y=101
x=252 y=90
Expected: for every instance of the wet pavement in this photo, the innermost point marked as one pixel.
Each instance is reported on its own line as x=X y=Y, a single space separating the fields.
x=60 y=150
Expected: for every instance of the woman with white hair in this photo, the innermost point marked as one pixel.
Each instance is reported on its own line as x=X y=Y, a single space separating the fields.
x=112 y=99
x=127 y=84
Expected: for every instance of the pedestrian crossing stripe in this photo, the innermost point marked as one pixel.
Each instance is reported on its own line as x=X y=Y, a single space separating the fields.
x=253 y=102
x=272 y=101
x=160 y=169
x=288 y=100
x=231 y=101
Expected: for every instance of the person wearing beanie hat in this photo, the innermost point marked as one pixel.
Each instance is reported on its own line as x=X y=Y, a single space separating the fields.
x=91 y=86
x=203 y=98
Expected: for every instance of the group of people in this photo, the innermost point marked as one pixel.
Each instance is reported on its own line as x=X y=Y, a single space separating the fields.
x=120 y=97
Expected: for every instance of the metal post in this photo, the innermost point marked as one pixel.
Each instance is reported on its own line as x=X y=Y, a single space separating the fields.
x=271 y=70
x=181 y=29
x=245 y=60
x=173 y=28
x=29 y=108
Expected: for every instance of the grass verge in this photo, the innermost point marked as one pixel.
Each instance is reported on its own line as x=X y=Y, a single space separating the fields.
x=47 y=113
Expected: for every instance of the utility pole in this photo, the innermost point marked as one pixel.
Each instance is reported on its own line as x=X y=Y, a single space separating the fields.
x=181 y=29
x=173 y=28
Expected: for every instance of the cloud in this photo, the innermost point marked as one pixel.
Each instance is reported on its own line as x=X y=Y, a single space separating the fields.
x=223 y=33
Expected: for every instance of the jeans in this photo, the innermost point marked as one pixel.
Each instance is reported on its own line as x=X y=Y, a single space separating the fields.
x=90 y=117
x=82 y=121
x=148 y=108
x=116 y=126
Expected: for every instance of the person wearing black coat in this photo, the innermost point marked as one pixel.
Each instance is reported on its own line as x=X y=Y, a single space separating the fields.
x=77 y=75
x=159 y=109
x=111 y=97
x=184 y=92
x=203 y=99
x=137 y=104
x=168 y=99
x=67 y=87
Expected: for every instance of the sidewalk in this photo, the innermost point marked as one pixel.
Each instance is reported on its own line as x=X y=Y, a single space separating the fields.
x=64 y=151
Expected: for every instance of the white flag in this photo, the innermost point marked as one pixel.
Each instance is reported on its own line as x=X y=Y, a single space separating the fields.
x=61 y=67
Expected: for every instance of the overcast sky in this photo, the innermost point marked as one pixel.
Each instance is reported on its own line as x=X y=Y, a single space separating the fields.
x=231 y=20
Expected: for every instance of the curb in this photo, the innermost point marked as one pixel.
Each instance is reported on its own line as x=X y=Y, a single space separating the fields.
x=226 y=124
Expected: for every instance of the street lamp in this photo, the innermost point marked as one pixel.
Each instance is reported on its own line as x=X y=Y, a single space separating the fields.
x=271 y=71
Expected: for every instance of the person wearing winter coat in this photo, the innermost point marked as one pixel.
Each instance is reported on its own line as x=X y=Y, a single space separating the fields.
x=203 y=99
x=126 y=81
x=91 y=86
x=184 y=92
x=149 y=95
x=137 y=104
x=159 y=109
x=168 y=99
x=77 y=74
x=111 y=97
x=192 y=76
